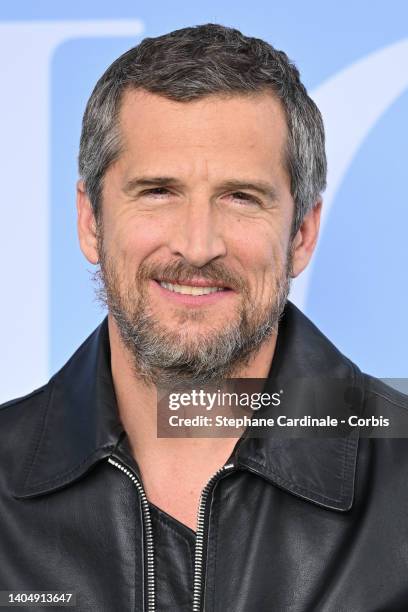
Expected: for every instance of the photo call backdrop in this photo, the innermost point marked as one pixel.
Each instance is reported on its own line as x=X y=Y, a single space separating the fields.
x=353 y=58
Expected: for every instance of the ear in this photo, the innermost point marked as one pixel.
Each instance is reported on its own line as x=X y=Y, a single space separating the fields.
x=86 y=225
x=305 y=240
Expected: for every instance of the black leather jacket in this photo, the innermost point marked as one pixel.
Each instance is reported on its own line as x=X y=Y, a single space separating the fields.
x=316 y=525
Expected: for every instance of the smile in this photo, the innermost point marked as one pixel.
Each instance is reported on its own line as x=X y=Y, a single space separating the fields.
x=190 y=290
x=197 y=294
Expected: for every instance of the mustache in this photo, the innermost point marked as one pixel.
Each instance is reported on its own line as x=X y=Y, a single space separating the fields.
x=179 y=271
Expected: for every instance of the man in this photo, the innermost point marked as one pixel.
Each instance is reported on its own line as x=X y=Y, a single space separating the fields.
x=202 y=166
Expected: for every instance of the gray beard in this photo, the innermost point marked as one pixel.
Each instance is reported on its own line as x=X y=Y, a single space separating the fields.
x=170 y=358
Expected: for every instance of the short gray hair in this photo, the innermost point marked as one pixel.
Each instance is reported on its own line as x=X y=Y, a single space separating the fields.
x=195 y=62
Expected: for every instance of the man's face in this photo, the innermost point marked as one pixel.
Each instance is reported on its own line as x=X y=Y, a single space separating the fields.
x=199 y=194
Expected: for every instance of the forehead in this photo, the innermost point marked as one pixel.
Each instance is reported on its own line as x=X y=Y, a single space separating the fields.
x=237 y=129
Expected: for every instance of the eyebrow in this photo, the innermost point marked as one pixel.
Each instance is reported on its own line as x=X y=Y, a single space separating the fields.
x=262 y=187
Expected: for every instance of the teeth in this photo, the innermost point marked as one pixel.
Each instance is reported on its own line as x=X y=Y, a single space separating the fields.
x=188 y=290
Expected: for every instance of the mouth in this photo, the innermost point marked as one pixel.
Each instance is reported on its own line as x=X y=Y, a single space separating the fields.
x=193 y=287
x=192 y=292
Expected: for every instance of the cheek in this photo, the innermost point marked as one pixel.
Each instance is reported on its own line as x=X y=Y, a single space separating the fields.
x=261 y=248
x=133 y=240
x=263 y=259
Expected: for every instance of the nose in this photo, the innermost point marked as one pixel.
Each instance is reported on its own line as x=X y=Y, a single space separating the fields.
x=198 y=235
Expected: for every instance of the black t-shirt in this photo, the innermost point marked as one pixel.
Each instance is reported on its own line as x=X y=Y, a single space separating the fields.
x=174 y=551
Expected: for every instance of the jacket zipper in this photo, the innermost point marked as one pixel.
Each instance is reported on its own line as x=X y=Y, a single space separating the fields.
x=147 y=521
x=199 y=548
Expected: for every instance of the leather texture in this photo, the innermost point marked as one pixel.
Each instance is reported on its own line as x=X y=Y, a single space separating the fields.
x=299 y=525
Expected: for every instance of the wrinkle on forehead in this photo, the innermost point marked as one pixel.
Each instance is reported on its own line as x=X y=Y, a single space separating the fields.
x=243 y=135
x=237 y=115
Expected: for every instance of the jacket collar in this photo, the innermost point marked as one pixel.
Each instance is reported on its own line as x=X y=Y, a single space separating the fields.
x=319 y=469
x=81 y=425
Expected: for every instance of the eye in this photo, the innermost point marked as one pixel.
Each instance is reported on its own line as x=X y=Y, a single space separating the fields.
x=156 y=191
x=245 y=197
